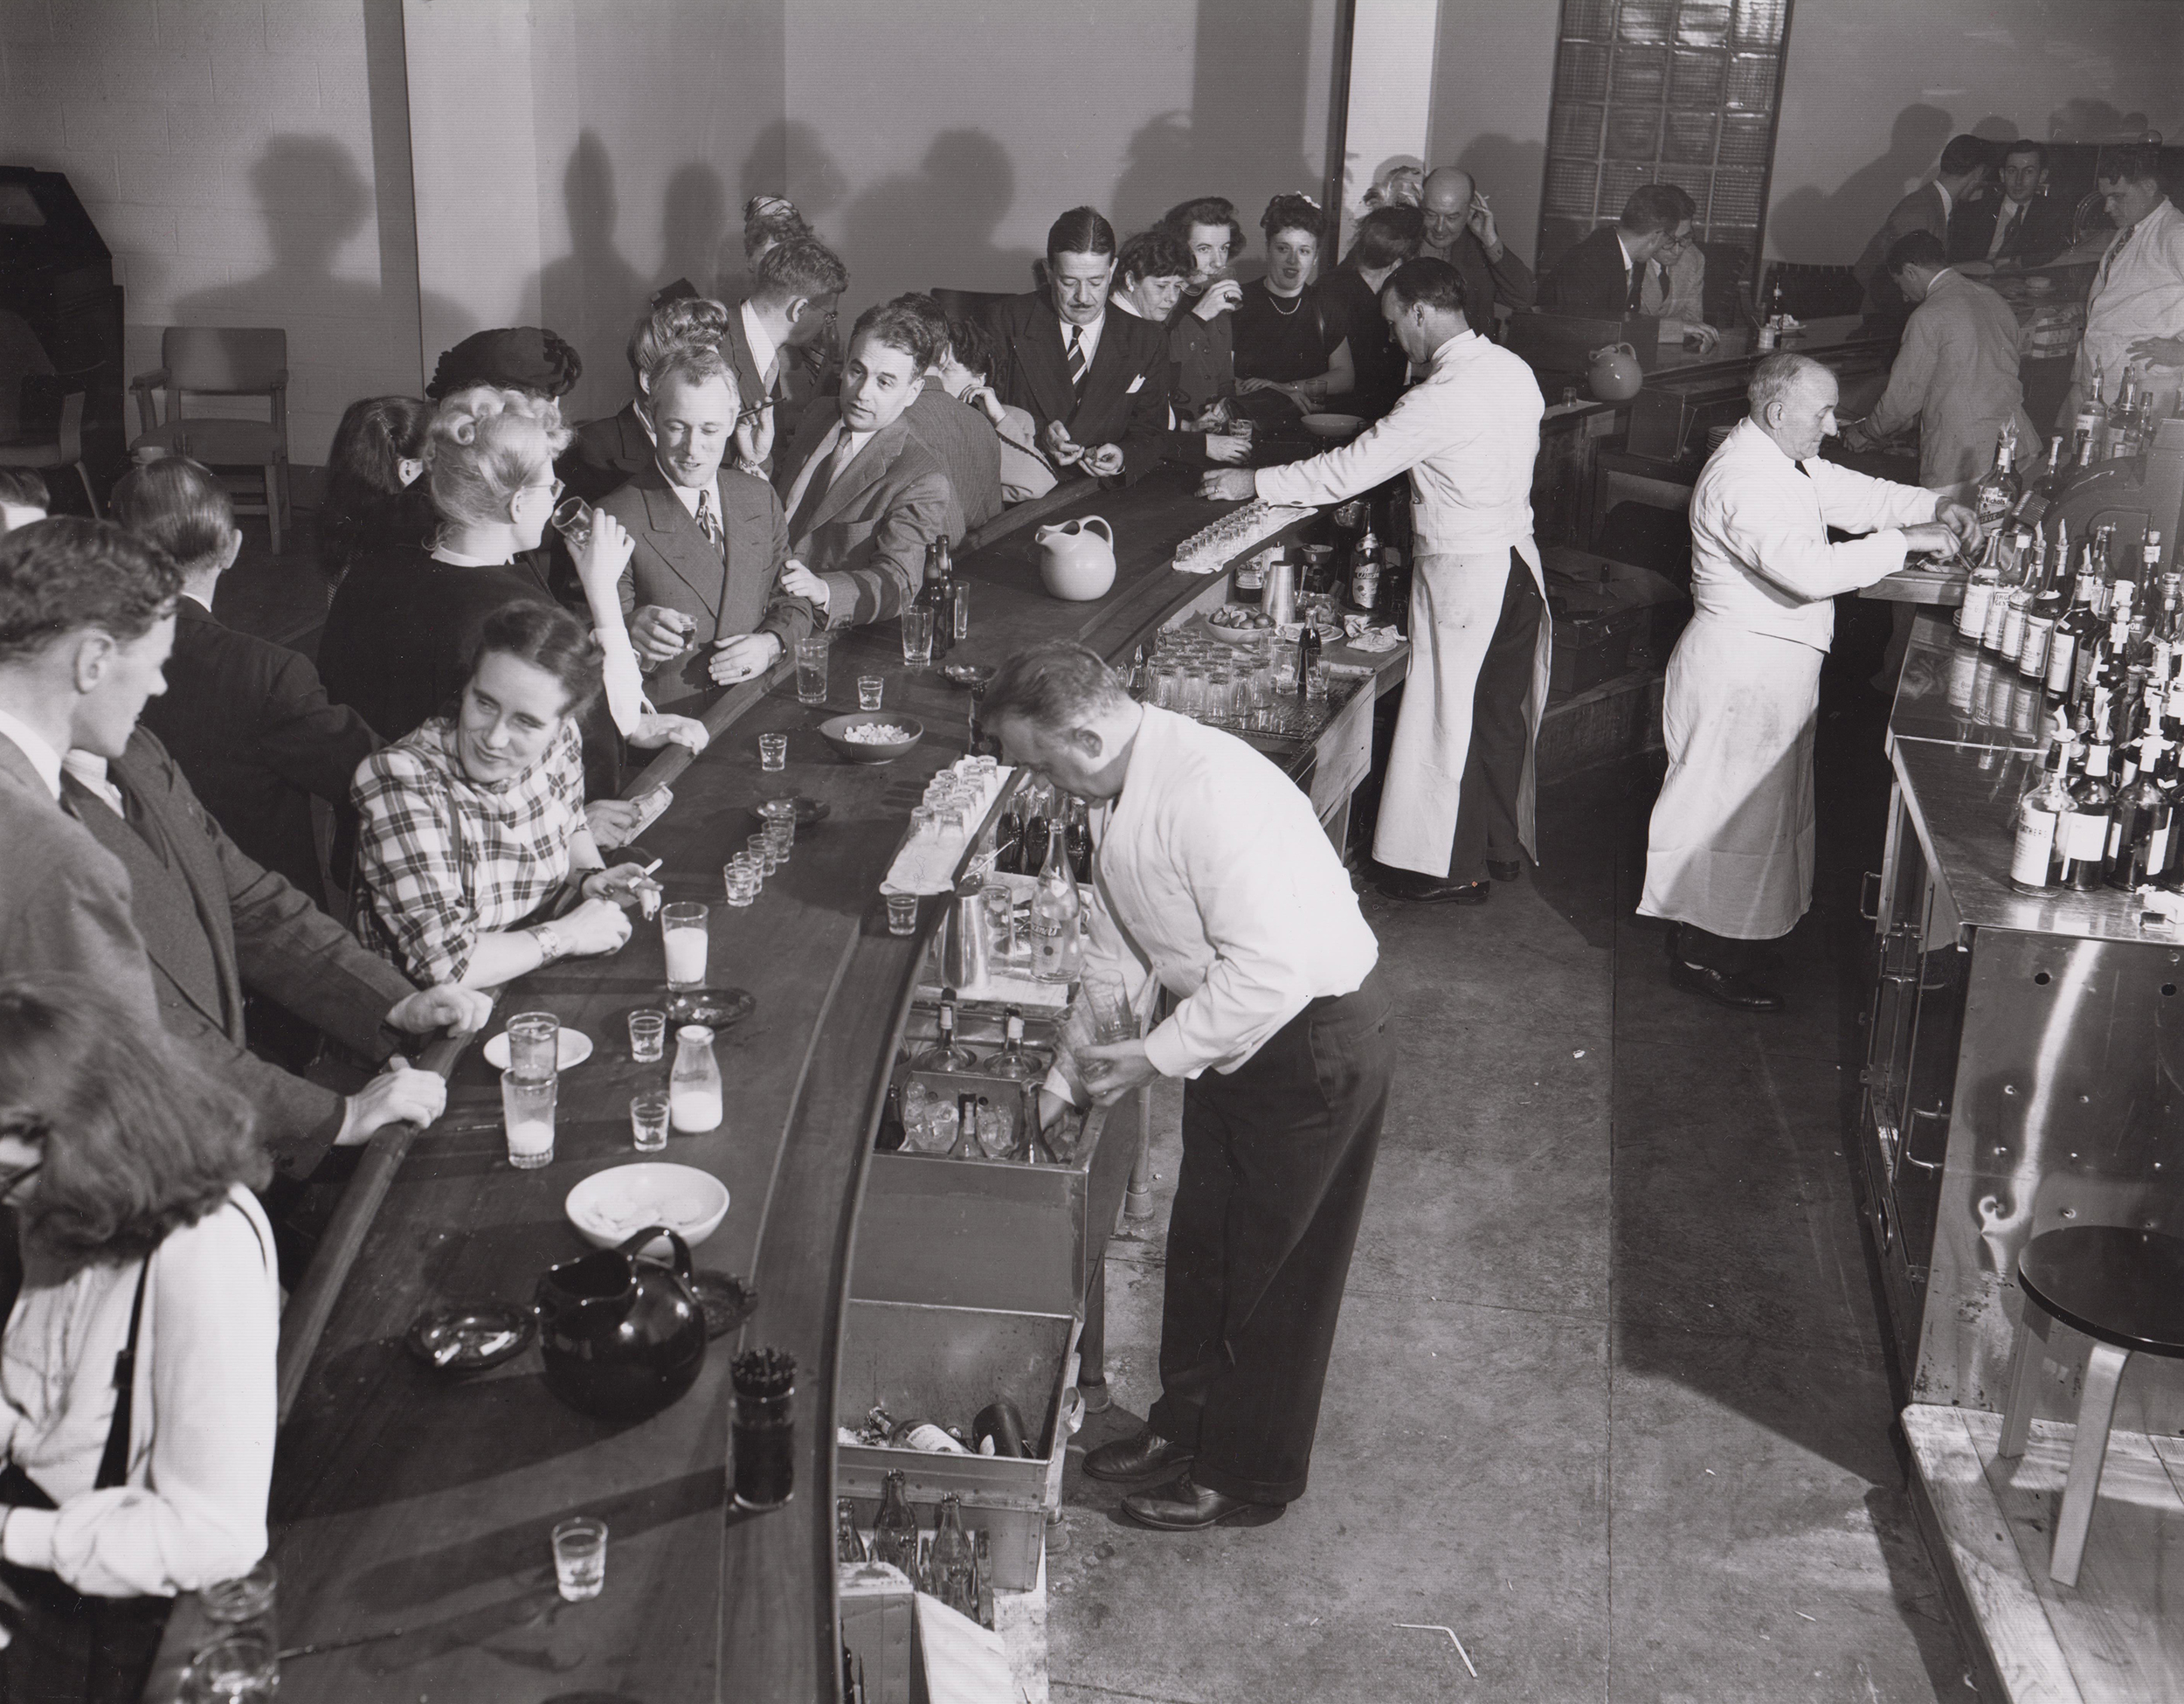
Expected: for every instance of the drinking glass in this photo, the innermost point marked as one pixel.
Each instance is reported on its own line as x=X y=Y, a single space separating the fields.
x=1167 y=682
x=870 y=689
x=1109 y=1005
x=761 y=850
x=572 y=520
x=527 y=1112
x=811 y=669
x=683 y=932
x=647 y=1036
x=241 y=1667
x=534 y=1044
x=740 y=881
x=922 y=822
x=1315 y=688
x=918 y=636
x=1191 y=700
x=580 y=1558
x=244 y=1604
x=902 y=914
x=780 y=838
x=648 y=1120
x=959 y=614
x=1000 y=918
x=773 y=750
x=954 y=822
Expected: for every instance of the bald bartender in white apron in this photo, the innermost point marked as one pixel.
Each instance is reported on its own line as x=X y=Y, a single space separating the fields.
x=1728 y=853
x=1458 y=803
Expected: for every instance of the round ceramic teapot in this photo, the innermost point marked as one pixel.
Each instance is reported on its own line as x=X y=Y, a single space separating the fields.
x=1616 y=375
x=1076 y=563
x=622 y=1337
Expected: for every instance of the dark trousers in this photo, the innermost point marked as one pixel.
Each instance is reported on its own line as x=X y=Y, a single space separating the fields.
x=1725 y=953
x=1276 y=1160
x=1494 y=769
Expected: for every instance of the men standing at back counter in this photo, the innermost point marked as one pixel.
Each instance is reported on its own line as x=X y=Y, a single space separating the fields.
x=1215 y=876
x=1729 y=854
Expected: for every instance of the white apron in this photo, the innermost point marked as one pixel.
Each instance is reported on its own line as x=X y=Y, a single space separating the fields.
x=1455 y=601
x=1730 y=848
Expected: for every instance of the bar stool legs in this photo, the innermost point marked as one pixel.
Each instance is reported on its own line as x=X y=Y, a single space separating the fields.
x=2089 y=1452
x=2089 y=1445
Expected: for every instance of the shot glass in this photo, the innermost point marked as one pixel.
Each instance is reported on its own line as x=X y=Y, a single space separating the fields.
x=741 y=884
x=647 y=1036
x=870 y=689
x=811 y=669
x=244 y=1604
x=648 y=1120
x=778 y=810
x=534 y=1044
x=239 y=1668
x=902 y=914
x=918 y=636
x=580 y=1558
x=761 y=850
x=773 y=751
x=527 y=1111
x=683 y=932
x=780 y=838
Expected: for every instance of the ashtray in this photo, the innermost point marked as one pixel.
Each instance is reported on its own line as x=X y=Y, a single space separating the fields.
x=970 y=674
x=713 y=1008
x=724 y=1299
x=468 y=1337
x=808 y=811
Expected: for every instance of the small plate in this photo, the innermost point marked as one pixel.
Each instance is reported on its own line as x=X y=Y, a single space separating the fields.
x=726 y=1299
x=468 y=1337
x=610 y=1206
x=970 y=674
x=715 y=1008
x=573 y=1046
x=808 y=811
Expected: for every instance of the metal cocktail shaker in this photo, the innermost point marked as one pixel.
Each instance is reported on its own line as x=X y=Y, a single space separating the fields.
x=965 y=947
x=1280 y=602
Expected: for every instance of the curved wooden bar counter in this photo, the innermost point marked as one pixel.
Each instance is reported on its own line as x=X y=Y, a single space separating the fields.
x=411 y=1513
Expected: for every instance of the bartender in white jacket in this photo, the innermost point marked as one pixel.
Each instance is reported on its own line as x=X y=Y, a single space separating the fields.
x=1214 y=878
x=1458 y=804
x=2135 y=312
x=1729 y=854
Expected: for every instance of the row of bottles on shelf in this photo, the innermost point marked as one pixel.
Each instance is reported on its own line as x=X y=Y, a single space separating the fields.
x=947 y=598
x=2015 y=607
x=2105 y=431
x=949 y=1569
x=1038 y=821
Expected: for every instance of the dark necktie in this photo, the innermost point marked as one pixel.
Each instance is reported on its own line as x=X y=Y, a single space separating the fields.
x=1076 y=357
x=815 y=489
x=1637 y=285
x=709 y=524
x=2009 y=231
x=2114 y=249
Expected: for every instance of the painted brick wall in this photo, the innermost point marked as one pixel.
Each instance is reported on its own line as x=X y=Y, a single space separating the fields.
x=248 y=163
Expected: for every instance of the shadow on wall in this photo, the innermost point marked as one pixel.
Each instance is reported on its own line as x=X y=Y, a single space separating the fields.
x=951 y=206
x=590 y=295
x=1814 y=224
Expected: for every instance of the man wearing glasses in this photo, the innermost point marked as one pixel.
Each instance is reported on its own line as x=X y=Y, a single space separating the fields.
x=1675 y=286
x=1605 y=275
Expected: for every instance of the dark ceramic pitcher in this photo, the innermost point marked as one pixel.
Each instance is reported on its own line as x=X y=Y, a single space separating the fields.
x=622 y=1337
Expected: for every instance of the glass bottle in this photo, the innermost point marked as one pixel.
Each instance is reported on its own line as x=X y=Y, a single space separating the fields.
x=2040 y=618
x=1039 y=799
x=2044 y=807
x=1998 y=488
x=1979 y=596
x=937 y=595
x=1011 y=1061
x=1076 y=839
x=1306 y=658
x=2086 y=839
x=2070 y=633
x=954 y=1572
x=2006 y=581
x=694 y=1087
x=1055 y=911
x=946 y=1055
x=2092 y=424
x=2018 y=610
x=2131 y=820
x=894 y=1530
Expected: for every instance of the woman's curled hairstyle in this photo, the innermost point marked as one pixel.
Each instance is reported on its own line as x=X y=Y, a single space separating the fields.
x=139 y=1139
x=547 y=637
x=367 y=507
x=486 y=445
x=1294 y=213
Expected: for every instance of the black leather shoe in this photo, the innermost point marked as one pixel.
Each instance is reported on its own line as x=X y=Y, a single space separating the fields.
x=1504 y=872
x=1186 y=1506
x=1738 y=993
x=1424 y=890
x=1138 y=1458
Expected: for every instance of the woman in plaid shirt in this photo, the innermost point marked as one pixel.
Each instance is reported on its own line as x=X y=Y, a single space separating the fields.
x=474 y=823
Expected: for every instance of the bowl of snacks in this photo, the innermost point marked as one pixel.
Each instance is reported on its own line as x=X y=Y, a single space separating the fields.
x=611 y=1206
x=1239 y=622
x=872 y=737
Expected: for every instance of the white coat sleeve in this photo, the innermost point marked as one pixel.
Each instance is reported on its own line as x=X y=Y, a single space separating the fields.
x=1776 y=540
x=212 y=1323
x=1390 y=446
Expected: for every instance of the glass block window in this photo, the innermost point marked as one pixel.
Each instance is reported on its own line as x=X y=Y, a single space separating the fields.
x=1669 y=92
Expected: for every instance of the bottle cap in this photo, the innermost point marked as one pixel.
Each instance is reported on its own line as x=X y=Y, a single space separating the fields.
x=693 y=1032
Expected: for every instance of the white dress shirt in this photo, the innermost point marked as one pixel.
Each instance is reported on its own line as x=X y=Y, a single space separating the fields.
x=90 y=769
x=43 y=759
x=834 y=442
x=192 y=1510
x=2138 y=293
x=1222 y=875
x=1469 y=432
x=2003 y=214
x=1760 y=556
x=764 y=355
x=1091 y=344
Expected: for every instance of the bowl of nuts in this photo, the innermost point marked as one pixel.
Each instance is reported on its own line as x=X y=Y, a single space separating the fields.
x=875 y=736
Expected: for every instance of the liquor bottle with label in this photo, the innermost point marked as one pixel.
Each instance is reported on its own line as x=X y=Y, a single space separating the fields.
x=2121 y=416
x=2019 y=609
x=2161 y=862
x=1979 y=596
x=2090 y=426
x=2041 y=812
x=2131 y=818
x=1055 y=909
x=2077 y=625
x=946 y=1054
x=1011 y=1061
x=2008 y=575
x=2045 y=610
x=2085 y=834
x=1997 y=493
x=2052 y=481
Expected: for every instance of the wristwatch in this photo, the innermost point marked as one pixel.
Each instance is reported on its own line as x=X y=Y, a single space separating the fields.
x=549 y=946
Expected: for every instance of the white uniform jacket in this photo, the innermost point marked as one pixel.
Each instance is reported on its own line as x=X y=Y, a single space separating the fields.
x=2138 y=293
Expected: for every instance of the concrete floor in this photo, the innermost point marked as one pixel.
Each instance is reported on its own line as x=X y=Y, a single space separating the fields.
x=1609 y=1398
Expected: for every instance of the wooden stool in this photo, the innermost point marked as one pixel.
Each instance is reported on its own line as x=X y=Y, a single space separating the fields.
x=2124 y=1289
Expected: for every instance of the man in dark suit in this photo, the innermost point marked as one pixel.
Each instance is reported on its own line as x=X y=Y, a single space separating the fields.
x=2018 y=223
x=701 y=589
x=1926 y=208
x=796 y=286
x=86 y=622
x=1460 y=229
x=961 y=439
x=868 y=498
x=1095 y=384
x=247 y=719
x=1604 y=275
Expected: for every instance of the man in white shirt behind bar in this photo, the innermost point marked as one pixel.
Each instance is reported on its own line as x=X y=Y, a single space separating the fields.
x=1214 y=877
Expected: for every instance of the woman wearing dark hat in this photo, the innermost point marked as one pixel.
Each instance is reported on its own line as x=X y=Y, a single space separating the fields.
x=515 y=357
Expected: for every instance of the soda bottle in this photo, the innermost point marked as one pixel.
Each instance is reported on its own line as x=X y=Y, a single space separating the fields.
x=895 y=1533
x=1055 y=910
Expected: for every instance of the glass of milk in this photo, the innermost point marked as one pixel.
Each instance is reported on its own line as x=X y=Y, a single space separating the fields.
x=527 y=1108
x=682 y=932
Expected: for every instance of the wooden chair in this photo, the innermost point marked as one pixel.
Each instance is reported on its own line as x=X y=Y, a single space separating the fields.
x=2124 y=1289
x=65 y=450
x=222 y=361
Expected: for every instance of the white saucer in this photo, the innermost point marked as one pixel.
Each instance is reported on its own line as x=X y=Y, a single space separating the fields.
x=573 y=1046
